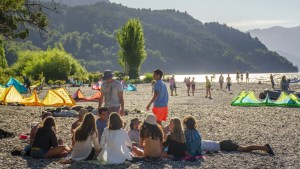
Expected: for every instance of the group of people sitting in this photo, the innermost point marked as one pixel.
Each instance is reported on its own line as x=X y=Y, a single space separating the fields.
x=104 y=138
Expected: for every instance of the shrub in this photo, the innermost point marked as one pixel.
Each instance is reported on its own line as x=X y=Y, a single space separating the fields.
x=148 y=77
x=135 y=81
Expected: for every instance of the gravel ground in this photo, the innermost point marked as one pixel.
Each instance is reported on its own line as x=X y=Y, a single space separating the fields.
x=217 y=120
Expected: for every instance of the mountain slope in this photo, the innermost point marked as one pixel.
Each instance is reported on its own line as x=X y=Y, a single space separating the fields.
x=285 y=41
x=175 y=41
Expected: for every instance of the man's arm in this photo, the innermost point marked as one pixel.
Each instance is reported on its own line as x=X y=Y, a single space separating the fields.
x=156 y=94
x=100 y=100
x=121 y=98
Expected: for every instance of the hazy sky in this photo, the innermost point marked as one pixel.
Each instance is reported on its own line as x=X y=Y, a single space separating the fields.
x=240 y=14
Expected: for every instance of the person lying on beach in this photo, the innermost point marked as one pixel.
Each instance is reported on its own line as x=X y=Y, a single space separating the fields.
x=82 y=112
x=86 y=140
x=45 y=144
x=115 y=142
x=151 y=138
x=229 y=146
x=101 y=122
x=134 y=132
x=175 y=142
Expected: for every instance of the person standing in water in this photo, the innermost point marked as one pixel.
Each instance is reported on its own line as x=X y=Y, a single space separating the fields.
x=221 y=81
x=188 y=85
x=272 y=81
x=208 y=88
x=242 y=77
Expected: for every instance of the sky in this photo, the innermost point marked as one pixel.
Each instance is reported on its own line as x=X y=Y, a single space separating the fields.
x=240 y=14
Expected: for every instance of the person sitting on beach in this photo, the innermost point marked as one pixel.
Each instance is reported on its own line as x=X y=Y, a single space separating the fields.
x=221 y=81
x=45 y=144
x=151 y=139
x=175 y=142
x=284 y=84
x=228 y=82
x=193 y=85
x=229 y=146
x=134 y=132
x=86 y=139
x=82 y=112
x=101 y=122
x=172 y=85
x=208 y=86
x=34 y=129
x=115 y=142
x=192 y=136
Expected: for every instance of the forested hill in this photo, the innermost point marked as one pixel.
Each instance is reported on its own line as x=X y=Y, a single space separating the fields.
x=175 y=41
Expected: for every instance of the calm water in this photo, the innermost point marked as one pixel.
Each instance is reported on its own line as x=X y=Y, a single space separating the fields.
x=255 y=77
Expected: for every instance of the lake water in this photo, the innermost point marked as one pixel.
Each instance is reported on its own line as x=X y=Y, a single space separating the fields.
x=255 y=77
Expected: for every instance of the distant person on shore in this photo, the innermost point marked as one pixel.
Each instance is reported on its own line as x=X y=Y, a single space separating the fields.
x=272 y=81
x=173 y=85
x=45 y=144
x=193 y=85
x=228 y=82
x=242 y=77
x=284 y=84
x=229 y=146
x=160 y=98
x=212 y=77
x=208 y=87
x=237 y=76
x=111 y=94
x=221 y=81
x=188 y=85
x=27 y=83
x=247 y=77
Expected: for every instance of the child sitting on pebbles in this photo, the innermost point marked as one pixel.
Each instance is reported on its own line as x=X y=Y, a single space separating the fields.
x=134 y=132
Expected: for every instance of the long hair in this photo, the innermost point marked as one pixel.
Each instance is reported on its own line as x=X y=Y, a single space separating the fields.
x=115 y=122
x=49 y=123
x=152 y=131
x=177 y=133
x=86 y=128
x=190 y=122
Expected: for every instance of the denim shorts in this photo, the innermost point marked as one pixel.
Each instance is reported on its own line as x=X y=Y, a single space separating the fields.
x=37 y=153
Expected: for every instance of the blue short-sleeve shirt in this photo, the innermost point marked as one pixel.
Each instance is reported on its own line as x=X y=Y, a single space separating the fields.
x=163 y=97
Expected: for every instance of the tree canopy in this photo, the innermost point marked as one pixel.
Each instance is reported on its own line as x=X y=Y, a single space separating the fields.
x=132 y=47
x=17 y=16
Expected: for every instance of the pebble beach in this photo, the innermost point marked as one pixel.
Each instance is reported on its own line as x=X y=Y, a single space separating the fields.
x=216 y=120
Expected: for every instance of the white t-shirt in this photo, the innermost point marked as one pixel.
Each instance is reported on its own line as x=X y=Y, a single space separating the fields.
x=114 y=146
x=111 y=92
x=209 y=145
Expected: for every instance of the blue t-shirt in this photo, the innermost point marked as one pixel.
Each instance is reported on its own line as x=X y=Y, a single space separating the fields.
x=100 y=127
x=163 y=97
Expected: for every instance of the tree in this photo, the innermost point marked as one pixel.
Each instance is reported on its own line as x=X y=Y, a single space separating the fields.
x=3 y=62
x=16 y=16
x=132 y=51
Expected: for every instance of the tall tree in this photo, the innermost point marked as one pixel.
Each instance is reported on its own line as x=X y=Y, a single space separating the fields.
x=132 y=51
x=3 y=62
x=16 y=16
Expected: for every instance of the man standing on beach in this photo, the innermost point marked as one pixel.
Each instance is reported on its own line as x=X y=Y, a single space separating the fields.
x=112 y=91
x=160 y=98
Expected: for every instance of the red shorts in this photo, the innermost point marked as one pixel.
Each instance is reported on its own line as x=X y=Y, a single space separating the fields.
x=161 y=113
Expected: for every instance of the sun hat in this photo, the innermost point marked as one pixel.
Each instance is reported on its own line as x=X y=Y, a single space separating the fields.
x=83 y=111
x=107 y=74
x=151 y=119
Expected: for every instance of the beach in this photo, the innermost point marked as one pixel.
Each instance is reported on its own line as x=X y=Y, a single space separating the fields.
x=216 y=120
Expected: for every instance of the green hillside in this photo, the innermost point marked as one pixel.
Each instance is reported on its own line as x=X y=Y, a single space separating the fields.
x=175 y=41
